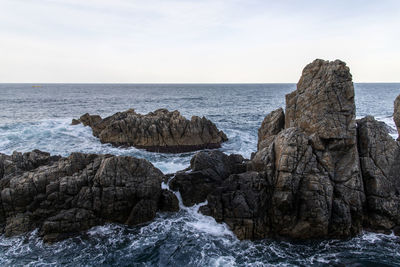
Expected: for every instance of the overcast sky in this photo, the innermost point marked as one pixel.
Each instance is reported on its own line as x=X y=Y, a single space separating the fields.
x=163 y=41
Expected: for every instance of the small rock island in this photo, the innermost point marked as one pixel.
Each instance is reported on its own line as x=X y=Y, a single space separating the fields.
x=158 y=131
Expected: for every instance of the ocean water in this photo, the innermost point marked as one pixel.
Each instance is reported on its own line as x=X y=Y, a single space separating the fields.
x=39 y=118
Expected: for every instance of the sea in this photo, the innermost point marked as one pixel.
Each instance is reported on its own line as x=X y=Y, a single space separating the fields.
x=38 y=116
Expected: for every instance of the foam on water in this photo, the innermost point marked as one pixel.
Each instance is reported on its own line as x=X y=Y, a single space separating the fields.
x=61 y=138
x=171 y=240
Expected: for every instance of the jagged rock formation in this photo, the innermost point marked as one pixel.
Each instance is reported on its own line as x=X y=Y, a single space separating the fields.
x=396 y=114
x=380 y=162
x=208 y=169
x=307 y=176
x=158 y=131
x=306 y=181
x=272 y=124
x=61 y=196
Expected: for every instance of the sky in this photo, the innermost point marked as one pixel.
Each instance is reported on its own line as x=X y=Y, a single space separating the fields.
x=195 y=41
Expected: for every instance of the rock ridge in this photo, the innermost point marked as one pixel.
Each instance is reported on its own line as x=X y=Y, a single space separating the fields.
x=158 y=131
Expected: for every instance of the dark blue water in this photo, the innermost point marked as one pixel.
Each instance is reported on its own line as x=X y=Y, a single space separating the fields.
x=39 y=118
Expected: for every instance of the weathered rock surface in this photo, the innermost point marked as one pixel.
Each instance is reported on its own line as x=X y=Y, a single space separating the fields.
x=158 y=131
x=396 y=114
x=272 y=124
x=61 y=196
x=305 y=181
x=208 y=169
x=380 y=162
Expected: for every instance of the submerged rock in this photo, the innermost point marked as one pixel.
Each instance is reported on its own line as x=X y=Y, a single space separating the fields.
x=62 y=196
x=158 y=131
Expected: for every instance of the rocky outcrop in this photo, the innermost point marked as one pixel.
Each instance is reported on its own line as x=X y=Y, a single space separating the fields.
x=272 y=124
x=61 y=196
x=158 y=131
x=208 y=169
x=396 y=114
x=380 y=162
x=305 y=181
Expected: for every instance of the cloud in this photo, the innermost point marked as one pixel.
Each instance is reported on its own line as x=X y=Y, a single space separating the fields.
x=193 y=41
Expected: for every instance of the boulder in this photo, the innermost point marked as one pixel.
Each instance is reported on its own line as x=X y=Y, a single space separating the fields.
x=62 y=196
x=207 y=170
x=241 y=201
x=158 y=131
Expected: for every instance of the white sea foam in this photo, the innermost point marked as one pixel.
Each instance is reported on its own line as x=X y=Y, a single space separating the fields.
x=198 y=221
x=60 y=138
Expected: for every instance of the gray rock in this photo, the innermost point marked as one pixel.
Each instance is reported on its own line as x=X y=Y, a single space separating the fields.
x=380 y=162
x=242 y=203
x=207 y=171
x=396 y=114
x=158 y=131
x=62 y=196
x=304 y=181
x=272 y=124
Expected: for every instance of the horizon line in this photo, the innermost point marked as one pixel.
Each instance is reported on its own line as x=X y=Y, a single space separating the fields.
x=172 y=83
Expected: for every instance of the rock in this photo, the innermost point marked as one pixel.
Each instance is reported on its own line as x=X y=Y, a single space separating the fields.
x=18 y=163
x=380 y=162
x=305 y=180
x=241 y=202
x=291 y=195
x=207 y=170
x=323 y=176
x=75 y=122
x=323 y=103
x=62 y=196
x=272 y=124
x=323 y=108
x=168 y=201
x=158 y=131
x=396 y=114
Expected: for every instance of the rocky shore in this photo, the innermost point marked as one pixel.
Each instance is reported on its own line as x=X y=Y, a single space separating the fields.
x=317 y=173
x=158 y=131
x=62 y=196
